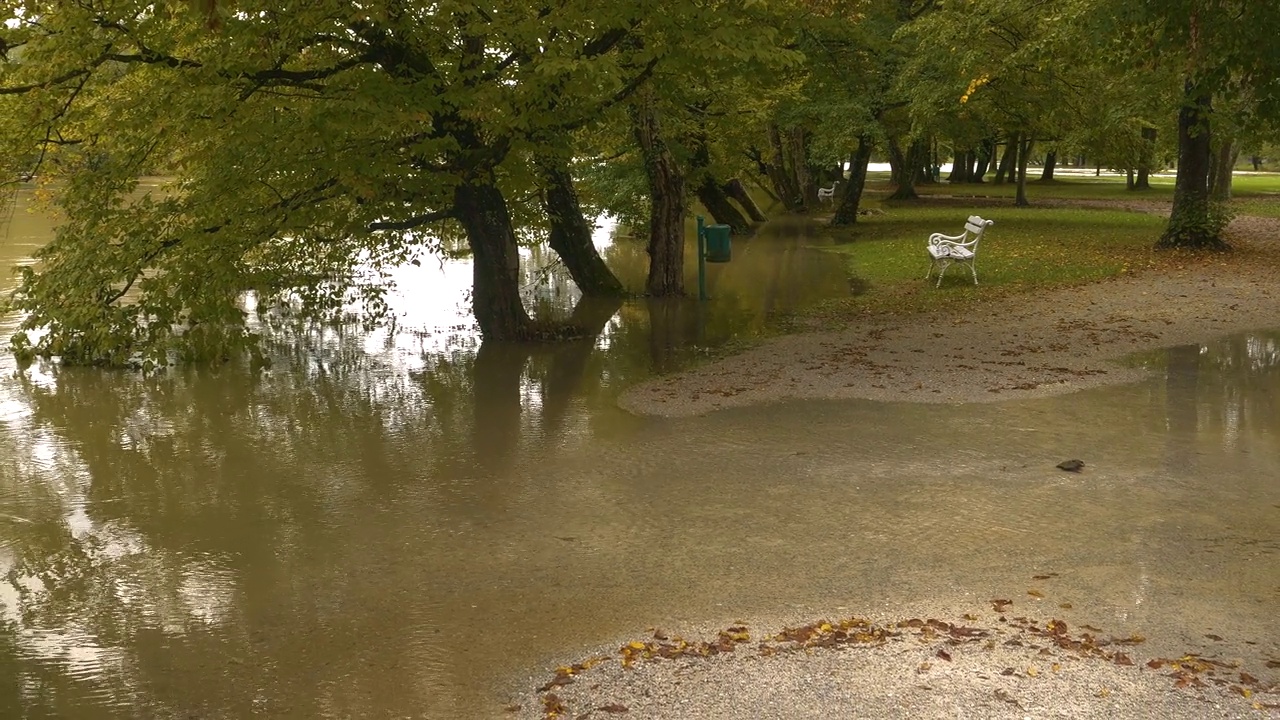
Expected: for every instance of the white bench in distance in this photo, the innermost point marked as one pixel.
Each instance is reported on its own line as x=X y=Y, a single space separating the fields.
x=827 y=194
x=944 y=250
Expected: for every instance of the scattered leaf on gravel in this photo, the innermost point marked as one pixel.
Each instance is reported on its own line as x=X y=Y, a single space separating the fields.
x=1000 y=605
x=1035 y=593
x=942 y=653
x=1133 y=639
x=1033 y=671
x=1002 y=694
x=613 y=708
x=552 y=707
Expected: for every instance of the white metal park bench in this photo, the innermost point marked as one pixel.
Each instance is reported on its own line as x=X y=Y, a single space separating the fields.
x=944 y=250
x=827 y=194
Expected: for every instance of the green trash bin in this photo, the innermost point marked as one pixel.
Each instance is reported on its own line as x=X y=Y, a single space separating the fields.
x=718 y=246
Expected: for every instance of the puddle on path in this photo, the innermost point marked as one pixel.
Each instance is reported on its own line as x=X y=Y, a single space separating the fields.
x=384 y=527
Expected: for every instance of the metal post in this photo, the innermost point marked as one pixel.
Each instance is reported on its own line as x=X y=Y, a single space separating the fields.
x=702 y=261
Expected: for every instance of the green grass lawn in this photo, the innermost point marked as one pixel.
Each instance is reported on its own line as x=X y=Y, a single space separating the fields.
x=1256 y=194
x=1067 y=187
x=1027 y=249
x=1253 y=194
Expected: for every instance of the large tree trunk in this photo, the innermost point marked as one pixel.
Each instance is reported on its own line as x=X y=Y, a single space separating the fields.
x=957 y=167
x=847 y=213
x=898 y=171
x=1050 y=161
x=1190 y=222
x=571 y=234
x=736 y=190
x=1146 y=159
x=714 y=199
x=782 y=175
x=805 y=180
x=986 y=153
x=924 y=174
x=1224 y=162
x=666 y=203
x=1024 y=153
x=495 y=297
x=1006 y=168
x=709 y=192
x=910 y=163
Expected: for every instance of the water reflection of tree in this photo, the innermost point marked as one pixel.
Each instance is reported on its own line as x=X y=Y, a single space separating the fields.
x=236 y=484
x=178 y=516
x=1219 y=391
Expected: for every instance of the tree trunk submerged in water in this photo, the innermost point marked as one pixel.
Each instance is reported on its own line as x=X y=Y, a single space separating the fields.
x=570 y=235
x=496 y=373
x=495 y=296
x=710 y=193
x=569 y=361
x=666 y=202
x=851 y=198
x=714 y=199
x=736 y=190
x=1191 y=222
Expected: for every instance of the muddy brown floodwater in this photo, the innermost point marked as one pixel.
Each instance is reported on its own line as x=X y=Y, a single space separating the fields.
x=403 y=523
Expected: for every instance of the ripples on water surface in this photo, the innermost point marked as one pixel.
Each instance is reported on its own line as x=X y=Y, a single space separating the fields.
x=392 y=524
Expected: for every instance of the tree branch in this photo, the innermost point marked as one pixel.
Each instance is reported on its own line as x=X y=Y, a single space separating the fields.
x=413 y=222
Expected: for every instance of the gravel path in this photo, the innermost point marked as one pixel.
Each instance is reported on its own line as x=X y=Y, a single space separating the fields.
x=1010 y=668
x=1059 y=342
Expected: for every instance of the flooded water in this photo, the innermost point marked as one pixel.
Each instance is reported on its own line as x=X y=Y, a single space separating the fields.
x=396 y=523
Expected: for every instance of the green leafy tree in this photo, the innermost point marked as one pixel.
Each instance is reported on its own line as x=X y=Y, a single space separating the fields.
x=1224 y=54
x=312 y=144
